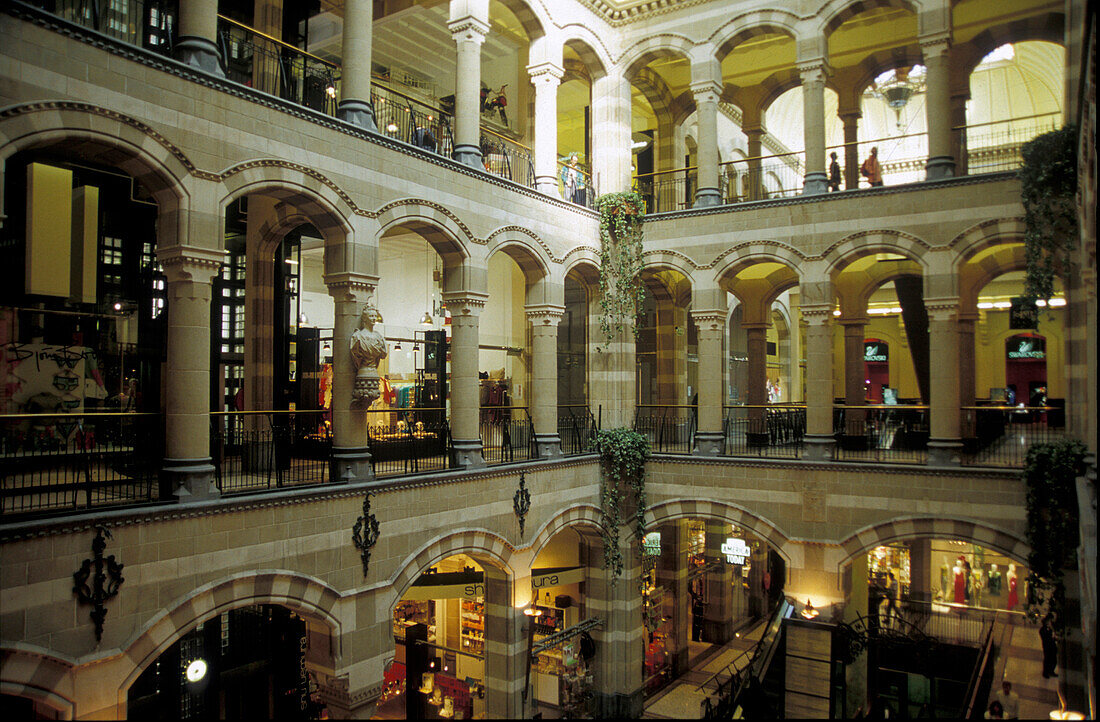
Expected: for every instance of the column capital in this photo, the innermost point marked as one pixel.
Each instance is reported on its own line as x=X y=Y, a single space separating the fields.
x=814 y=71
x=934 y=45
x=465 y=303
x=469 y=28
x=544 y=314
x=547 y=73
x=190 y=263
x=817 y=315
x=853 y=321
x=701 y=89
x=709 y=320
x=350 y=286
x=849 y=116
x=942 y=309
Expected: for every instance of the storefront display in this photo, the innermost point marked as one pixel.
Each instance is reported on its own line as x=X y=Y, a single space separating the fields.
x=886 y=560
x=965 y=573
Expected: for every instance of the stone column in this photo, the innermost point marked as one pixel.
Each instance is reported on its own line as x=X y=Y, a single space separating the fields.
x=505 y=645
x=755 y=184
x=756 y=393
x=350 y=455
x=819 y=437
x=718 y=624
x=468 y=33
x=465 y=308
x=546 y=77
x=813 y=118
x=967 y=373
x=198 y=39
x=544 y=377
x=708 y=434
x=613 y=372
x=943 y=339
x=355 y=104
x=851 y=148
x=611 y=156
x=706 y=106
x=620 y=640
x=920 y=569
x=937 y=106
x=187 y=465
x=672 y=576
x=958 y=131
x=854 y=377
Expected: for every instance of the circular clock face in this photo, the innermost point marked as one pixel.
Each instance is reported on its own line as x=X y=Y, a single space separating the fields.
x=196 y=670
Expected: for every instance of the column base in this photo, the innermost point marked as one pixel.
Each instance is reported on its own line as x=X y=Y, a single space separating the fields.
x=189 y=480
x=547 y=184
x=944 y=452
x=705 y=197
x=818 y=447
x=467 y=454
x=549 y=446
x=939 y=167
x=350 y=464
x=199 y=53
x=708 y=443
x=815 y=183
x=469 y=155
x=619 y=706
x=357 y=112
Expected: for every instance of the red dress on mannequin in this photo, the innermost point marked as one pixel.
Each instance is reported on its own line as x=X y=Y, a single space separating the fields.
x=960 y=586
x=1012 y=598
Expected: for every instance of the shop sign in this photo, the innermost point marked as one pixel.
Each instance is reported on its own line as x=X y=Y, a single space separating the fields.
x=736 y=551
x=556 y=577
x=875 y=352
x=1026 y=347
x=651 y=543
x=422 y=592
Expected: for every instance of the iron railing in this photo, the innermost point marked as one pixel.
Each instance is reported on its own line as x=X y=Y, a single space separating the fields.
x=579 y=189
x=260 y=450
x=507 y=435
x=577 y=429
x=268 y=64
x=669 y=428
x=413 y=121
x=148 y=24
x=887 y=433
x=408 y=441
x=730 y=682
x=772 y=431
x=59 y=462
x=507 y=158
x=755 y=179
x=1001 y=435
x=664 y=191
x=996 y=146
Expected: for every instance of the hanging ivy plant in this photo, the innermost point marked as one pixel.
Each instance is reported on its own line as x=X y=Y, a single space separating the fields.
x=623 y=453
x=621 y=289
x=1048 y=189
x=1052 y=526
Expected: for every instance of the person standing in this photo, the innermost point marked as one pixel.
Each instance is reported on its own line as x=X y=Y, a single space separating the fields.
x=1010 y=701
x=1050 y=647
x=872 y=169
x=834 y=173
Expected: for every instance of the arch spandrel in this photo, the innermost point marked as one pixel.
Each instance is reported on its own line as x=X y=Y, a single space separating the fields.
x=645 y=51
x=752 y=24
x=478 y=543
x=853 y=247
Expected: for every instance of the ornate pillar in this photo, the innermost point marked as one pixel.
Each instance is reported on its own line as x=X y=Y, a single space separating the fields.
x=465 y=308
x=708 y=434
x=611 y=156
x=938 y=108
x=198 y=40
x=546 y=77
x=855 y=391
x=819 y=382
x=355 y=105
x=617 y=666
x=943 y=340
x=813 y=118
x=468 y=33
x=350 y=456
x=187 y=465
x=706 y=106
x=613 y=372
x=851 y=148
x=544 y=377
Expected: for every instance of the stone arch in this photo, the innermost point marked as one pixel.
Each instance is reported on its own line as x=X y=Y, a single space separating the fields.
x=653 y=47
x=749 y=25
x=586 y=261
x=33 y=673
x=849 y=248
x=877 y=63
x=531 y=16
x=837 y=12
x=984 y=235
x=975 y=275
x=729 y=262
x=578 y=515
x=927 y=526
x=298 y=592
x=443 y=230
x=1048 y=27
x=476 y=542
x=733 y=513
x=589 y=48
x=528 y=250
x=672 y=260
x=656 y=93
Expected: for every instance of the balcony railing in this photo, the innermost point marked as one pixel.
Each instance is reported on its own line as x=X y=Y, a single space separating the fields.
x=1001 y=435
x=62 y=462
x=579 y=189
x=665 y=191
x=507 y=158
x=669 y=428
x=148 y=24
x=507 y=435
x=414 y=121
x=996 y=146
x=577 y=429
x=260 y=450
x=770 y=431
x=408 y=441
x=888 y=433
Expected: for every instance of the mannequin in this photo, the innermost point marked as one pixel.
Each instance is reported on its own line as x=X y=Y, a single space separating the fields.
x=994 y=581
x=1013 y=599
x=976 y=586
x=945 y=574
x=960 y=584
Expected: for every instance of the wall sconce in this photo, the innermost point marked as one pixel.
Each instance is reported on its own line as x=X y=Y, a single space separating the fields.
x=808 y=611
x=427 y=320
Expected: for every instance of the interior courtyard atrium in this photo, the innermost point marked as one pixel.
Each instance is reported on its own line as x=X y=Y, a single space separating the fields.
x=329 y=327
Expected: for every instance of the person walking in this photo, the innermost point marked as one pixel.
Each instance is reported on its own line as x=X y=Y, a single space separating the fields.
x=1050 y=647
x=834 y=173
x=1010 y=701
x=872 y=169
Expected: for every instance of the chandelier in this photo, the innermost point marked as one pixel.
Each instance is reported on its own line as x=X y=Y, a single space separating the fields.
x=896 y=87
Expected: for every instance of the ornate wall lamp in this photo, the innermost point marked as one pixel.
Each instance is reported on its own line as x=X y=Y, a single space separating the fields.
x=365 y=534
x=521 y=502
x=98 y=580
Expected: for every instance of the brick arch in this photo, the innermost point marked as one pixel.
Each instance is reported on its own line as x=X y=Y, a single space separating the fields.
x=579 y=516
x=835 y=13
x=480 y=543
x=725 y=511
x=974 y=276
x=849 y=248
x=441 y=228
x=750 y=25
x=301 y=593
x=939 y=527
x=984 y=235
x=525 y=247
x=729 y=263
x=653 y=47
x=34 y=673
x=589 y=47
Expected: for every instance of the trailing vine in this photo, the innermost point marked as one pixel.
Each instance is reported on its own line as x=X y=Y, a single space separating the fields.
x=1048 y=189
x=623 y=453
x=621 y=289
x=1052 y=526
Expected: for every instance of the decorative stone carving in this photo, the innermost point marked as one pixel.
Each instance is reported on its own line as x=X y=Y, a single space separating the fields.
x=368 y=347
